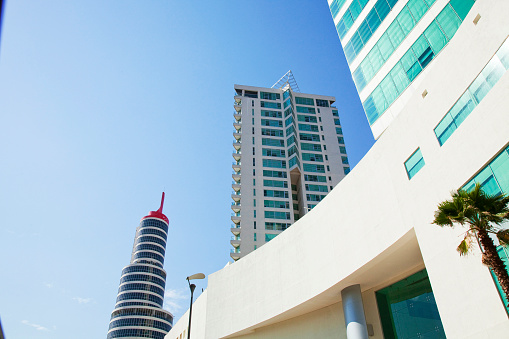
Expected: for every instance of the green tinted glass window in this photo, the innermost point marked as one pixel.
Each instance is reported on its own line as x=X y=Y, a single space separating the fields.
x=399 y=77
x=389 y=89
x=373 y=20
x=395 y=33
x=449 y=21
x=355 y=9
x=414 y=163
x=312 y=157
x=382 y=8
x=385 y=46
x=375 y=58
x=304 y=101
x=417 y=8
x=462 y=7
x=436 y=37
x=405 y=20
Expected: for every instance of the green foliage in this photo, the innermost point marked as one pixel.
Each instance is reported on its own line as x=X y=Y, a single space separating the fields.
x=476 y=209
x=503 y=237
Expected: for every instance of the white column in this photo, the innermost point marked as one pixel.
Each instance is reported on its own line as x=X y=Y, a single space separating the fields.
x=354 y=313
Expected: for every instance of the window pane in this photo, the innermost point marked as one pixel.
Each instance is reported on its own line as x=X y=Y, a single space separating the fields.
x=373 y=20
x=487 y=181
x=367 y=69
x=364 y=32
x=379 y=99
x=376 y=59
x=389 y=90
x=435 y=37
x=385 y=46
x=356 y=42
x=503 y=54
x=382 y=9
x=462 y=7
x=423 y=51
x=347 y=19
x=417 y=8
x=370 y=109
x=406 y=21
x=449 y=21
x=355 y=9
x=411 y=65
x=479 y=88
x=430 y=2
x=500 y=167
x=493 y=71
x=392 y=3
x=462 y=108
x=358 y=78
x=414 y=163
x=444 y=129
x=399 y=77
x=395 y=33
x=340 y=27
x=349 y=52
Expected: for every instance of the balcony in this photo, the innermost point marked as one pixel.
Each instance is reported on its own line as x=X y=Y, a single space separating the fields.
x=236 y=177
x=237 y=136
x=238 y=99
x=237 y=126
x=236 y=156
x=237 y=107
x=236 y=197
x=236 y=219
x=236 y=166
x=237 y=116
x=235 y=229
x=237 y=145
x=235 y=256
x=236 y=187
x=236 y=207
x=235 y=243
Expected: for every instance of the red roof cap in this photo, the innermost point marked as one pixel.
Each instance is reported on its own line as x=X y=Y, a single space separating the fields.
x=157 y=214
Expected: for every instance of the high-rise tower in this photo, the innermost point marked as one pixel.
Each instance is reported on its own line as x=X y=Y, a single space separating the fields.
x=139 y=309
x=388 y=43
x=289 y=152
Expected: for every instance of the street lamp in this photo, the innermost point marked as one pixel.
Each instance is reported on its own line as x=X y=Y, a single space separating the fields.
x=192 y=287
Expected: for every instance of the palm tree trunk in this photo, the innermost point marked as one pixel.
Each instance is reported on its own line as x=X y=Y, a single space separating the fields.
x=493 y=260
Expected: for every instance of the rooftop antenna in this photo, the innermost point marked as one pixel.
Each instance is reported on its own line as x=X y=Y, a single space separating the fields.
x=289 y=80
x=160 y=210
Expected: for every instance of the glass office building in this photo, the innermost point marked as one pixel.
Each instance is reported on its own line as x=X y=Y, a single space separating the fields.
x=139 y=309
x=388 y=43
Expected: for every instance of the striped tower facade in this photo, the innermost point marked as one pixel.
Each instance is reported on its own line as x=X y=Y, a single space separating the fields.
x=139 y=309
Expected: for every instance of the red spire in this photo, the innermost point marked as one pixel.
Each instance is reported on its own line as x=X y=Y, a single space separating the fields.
x=159 y=213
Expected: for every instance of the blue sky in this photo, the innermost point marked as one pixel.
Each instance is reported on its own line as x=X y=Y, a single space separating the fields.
x=103 y=105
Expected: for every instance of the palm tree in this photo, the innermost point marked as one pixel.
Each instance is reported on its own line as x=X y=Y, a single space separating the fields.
x=483 y=214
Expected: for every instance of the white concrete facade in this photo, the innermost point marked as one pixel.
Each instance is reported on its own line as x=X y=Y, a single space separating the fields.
x=251 y=192
x=374 y=228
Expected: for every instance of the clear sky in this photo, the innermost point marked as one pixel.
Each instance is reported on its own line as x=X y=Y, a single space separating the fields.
x=105 y=104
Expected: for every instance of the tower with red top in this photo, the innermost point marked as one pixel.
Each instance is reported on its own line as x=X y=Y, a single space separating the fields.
x=139 y=309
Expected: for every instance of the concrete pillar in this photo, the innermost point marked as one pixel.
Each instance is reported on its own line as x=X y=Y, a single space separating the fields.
x=354 y=313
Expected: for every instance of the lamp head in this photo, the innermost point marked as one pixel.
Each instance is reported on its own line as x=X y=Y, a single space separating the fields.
x=196 y=276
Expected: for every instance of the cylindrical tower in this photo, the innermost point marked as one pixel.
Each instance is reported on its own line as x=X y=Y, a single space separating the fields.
x=139 y=310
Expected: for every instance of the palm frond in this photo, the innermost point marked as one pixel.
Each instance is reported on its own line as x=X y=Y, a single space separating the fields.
x=465 y=245
x=503 y=237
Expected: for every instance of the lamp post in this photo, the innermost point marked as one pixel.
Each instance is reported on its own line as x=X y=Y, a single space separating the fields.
x=192 y=287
